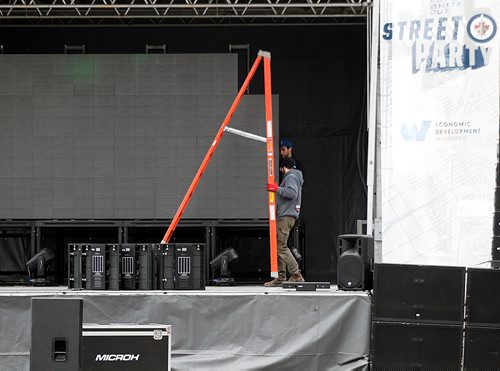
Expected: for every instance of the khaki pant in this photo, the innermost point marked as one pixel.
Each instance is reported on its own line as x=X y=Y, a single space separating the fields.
x=286 y=261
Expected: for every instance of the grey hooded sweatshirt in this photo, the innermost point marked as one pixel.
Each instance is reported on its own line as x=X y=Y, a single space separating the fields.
x=289 y=195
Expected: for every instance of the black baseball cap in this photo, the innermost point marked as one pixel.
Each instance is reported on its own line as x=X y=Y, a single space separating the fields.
x=286 y=143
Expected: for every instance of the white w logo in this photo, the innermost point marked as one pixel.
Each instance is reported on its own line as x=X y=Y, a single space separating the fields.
x=413 y=133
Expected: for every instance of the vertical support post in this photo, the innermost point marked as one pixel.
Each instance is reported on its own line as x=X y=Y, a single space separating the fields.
x=209 y=154
x=120 y=234
x=33 y=248
x=38 y=242
x=125 y=234
x=213 y=247
x=372 y=115
x=208 y=254
x=270 y=162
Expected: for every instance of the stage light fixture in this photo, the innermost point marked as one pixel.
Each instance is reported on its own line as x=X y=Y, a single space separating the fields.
x=221 y=262
x=37 y=266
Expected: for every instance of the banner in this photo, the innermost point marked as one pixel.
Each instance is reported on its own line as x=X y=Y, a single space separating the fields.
x=439 y=103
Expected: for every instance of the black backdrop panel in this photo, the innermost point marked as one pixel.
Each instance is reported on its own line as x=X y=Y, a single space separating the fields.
x=404 y=346
x=482 y=348
x=319 y=75
x=122 y=136
x=419 y=293
x=483 y=296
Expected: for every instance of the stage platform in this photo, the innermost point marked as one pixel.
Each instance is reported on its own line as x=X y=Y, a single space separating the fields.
x=220 y=328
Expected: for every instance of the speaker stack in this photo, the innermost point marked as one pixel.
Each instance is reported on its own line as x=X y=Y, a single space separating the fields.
x=130 y=266
x=482 y=323
x=355 y=262
x=418 y=314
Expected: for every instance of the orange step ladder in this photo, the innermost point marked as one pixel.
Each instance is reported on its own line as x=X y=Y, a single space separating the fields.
x=266 y=56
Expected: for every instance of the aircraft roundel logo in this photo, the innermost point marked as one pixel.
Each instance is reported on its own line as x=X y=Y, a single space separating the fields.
x=481 y=28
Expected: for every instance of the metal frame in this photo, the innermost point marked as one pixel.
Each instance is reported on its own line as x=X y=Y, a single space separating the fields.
x=183 y=12
x=297 y=234
x=372 y=78
x=152 y=49
x=74 y=49
x=20 y=228
x=35 y=229
x=235 y=48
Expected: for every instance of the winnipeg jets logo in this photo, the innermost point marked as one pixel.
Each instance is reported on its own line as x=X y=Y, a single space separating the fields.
x=481 y=28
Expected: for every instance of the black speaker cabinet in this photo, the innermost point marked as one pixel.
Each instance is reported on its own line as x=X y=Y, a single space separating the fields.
x=76 y=266
x=495 y=252
x=419 y=293
x=56 y=331
x=496 y=223
x=412 y=346
x=128 y=266
x=354 y=262
x=145 y=265
x=497 y=195
x=189 y=274
x=95 y=267
x=483 y=297
x=163 y=266
x=157 y=262
x=114 y=277
x=482 y=348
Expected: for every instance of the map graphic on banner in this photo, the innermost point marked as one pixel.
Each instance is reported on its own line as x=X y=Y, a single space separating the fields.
x=439 y=106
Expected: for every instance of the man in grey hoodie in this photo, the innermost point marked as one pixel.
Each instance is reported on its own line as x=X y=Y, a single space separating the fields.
x=288 y=199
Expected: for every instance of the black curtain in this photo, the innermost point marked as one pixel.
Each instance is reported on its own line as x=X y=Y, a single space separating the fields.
x=14 y=253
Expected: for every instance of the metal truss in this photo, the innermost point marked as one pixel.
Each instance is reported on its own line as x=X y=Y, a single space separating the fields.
x=181 y=12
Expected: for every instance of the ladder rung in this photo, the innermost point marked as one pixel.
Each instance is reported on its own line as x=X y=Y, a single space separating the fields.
x=245 y=134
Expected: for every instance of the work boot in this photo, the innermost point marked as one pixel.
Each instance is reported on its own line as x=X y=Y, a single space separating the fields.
x=275 y=282
x=296 y=277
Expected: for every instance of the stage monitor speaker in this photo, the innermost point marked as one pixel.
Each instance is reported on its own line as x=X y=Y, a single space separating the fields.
x=412 y=346
x=482 y=348
x=483 y=296
x=419 y=293
x=355 y=262
x=56 y=331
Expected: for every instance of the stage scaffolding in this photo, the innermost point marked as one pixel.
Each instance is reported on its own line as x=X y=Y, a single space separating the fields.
x=181 y=12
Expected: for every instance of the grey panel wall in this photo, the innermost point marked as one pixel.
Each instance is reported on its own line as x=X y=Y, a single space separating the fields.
x=121 y=136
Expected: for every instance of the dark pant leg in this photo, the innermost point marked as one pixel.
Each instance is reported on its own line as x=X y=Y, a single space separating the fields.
x=285 y=257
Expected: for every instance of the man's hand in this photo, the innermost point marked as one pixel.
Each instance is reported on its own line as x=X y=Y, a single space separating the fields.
x=272 y=187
